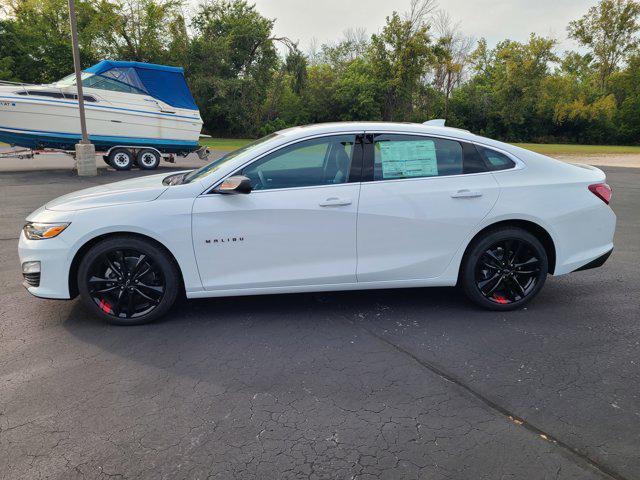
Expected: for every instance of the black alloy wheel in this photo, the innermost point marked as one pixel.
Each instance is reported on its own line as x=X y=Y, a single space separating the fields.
x=505 y=269
x=127 y=281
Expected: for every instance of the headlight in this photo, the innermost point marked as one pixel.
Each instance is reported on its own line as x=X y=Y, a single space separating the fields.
x=41 y=231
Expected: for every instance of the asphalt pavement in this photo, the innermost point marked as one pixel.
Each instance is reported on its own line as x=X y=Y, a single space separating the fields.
x=389 y=384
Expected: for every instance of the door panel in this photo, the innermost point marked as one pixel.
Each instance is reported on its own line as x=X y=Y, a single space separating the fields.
x=271 y=238
x=298 y=226
x=410 y=229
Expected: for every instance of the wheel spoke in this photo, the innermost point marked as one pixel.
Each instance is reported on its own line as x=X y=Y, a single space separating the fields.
x=119 y=302
x=142 y=273
x=498 y=282
x=517 y=252
x=494 y=262
x=152 y=288
x=122 y=261
x=112 y=266
x=107 y=289
x=484 y=283
x=138 y=264
x=518 y=288
x=145 y=296
x=130 y=305
x=531 y=261
x=527 y=272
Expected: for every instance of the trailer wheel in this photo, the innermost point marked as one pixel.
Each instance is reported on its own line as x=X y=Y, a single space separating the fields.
x=148 y=159
x=121 y=158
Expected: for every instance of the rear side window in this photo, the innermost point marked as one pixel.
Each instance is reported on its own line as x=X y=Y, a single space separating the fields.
x=495 y=160
x=412 y=156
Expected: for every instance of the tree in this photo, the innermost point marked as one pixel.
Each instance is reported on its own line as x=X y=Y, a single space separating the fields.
x=146 y=30
x=451 y=53
x=609 y=29
x=230 y=65
x=399 y=57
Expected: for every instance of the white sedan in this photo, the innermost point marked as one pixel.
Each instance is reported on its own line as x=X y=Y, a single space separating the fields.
x=340 y=206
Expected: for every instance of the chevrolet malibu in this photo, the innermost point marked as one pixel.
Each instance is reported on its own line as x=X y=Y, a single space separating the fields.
x=340 y=206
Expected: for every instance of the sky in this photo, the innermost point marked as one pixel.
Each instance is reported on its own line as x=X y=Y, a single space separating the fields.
x=326 y=20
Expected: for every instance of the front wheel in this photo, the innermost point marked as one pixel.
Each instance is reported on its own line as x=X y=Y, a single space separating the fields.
x=504 y=269
x=128 y=281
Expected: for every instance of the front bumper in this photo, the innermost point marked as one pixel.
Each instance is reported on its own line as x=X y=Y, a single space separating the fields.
x=54 y=266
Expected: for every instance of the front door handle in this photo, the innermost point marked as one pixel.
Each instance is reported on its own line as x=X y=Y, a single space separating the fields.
x=335 y=202
x=466 y=194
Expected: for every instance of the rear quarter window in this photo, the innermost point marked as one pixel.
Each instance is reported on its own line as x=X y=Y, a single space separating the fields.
x=495 y=160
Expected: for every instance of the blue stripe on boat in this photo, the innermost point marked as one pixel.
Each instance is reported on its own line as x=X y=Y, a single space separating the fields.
x=89 y=106
x=66 y=141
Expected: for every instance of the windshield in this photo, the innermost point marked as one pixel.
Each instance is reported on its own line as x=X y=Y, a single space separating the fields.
x=70 y=80
x=216 y=164
x=115 y=80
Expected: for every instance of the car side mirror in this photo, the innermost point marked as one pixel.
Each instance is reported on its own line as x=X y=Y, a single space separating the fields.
x=235 y=184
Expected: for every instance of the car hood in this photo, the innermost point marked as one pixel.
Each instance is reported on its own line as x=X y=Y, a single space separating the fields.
x=135 y=190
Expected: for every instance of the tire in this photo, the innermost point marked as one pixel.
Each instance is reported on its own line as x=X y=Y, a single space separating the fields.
x=504 y=269
x=148 y=159
x=141 y=292
x=121 y=158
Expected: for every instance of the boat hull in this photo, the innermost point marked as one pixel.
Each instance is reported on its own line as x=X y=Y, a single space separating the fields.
x=33 y=122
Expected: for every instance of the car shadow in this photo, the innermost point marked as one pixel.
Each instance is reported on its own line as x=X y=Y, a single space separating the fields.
x=219 y=327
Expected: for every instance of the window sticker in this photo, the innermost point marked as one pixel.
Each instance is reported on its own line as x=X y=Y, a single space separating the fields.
x=408 y=159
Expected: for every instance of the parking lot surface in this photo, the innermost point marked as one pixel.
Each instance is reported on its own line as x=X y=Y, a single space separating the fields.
x=378 y=384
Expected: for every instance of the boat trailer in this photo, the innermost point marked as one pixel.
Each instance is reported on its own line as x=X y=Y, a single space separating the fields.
x=121 y=157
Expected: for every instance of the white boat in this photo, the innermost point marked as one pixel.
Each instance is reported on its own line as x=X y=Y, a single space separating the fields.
x=127 y=104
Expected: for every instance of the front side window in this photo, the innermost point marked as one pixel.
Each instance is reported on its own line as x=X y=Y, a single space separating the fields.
x=320 y=161
x=412 y=156
x=214 y=166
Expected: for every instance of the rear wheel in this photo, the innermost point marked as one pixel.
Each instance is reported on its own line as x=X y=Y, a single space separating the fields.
x=121 y=158
x=504 y=269
x=148 y=159
x=128 y=281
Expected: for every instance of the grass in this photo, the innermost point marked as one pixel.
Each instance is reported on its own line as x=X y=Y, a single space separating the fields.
x=228 y=144
x=225 y=144
x=564 y=149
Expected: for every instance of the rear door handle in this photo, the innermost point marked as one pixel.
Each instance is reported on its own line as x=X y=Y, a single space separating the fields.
x=466 y=194
x=335 y=202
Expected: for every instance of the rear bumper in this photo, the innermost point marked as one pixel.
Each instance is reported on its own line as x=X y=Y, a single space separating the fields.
x=598 y=262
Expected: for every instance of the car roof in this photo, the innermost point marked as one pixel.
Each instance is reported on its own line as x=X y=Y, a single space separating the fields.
x=395 y=127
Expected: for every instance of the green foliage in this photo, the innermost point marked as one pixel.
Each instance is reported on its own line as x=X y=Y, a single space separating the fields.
x=248 y=82
x=399 y=56
x=610 y=30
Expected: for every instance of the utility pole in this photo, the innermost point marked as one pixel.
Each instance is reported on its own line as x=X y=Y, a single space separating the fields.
x=85 y=150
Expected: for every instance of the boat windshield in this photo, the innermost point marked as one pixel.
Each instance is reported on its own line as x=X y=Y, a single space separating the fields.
x=216 y=164
x=111 y=80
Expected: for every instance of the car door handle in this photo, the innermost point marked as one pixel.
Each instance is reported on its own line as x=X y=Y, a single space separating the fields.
x=466 y=194
x=335 y=202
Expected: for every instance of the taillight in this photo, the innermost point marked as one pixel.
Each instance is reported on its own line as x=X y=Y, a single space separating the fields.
x=602 y=191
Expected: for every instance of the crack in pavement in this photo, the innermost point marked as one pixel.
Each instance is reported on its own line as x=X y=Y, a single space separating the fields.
x=575 y=454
